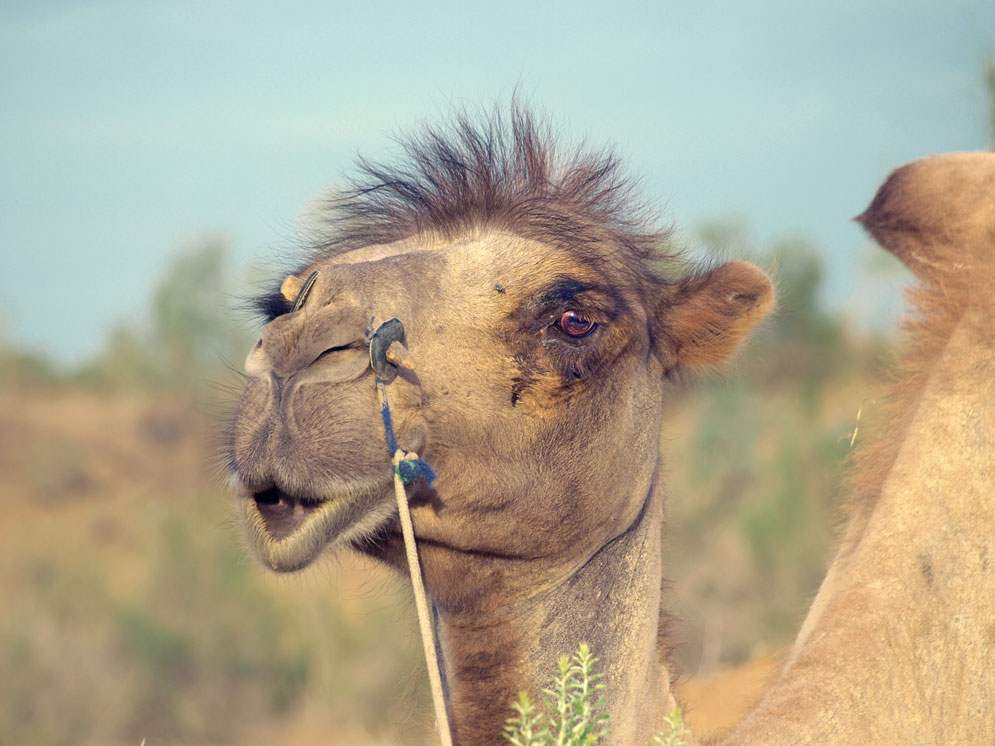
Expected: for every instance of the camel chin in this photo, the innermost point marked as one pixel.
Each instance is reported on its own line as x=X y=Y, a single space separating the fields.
x=287 y=532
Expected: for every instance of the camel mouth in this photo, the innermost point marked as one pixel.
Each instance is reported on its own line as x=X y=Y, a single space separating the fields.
x=283 y=513
x=286 y=532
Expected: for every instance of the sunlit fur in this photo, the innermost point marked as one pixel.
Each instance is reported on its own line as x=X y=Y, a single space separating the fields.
x=898 y=645
x=544 y=528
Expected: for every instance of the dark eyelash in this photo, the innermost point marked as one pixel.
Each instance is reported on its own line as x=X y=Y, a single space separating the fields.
x=576 y=363
x=272 y=305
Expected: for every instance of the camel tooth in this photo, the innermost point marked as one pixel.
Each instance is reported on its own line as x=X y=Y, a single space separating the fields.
x=399 y=355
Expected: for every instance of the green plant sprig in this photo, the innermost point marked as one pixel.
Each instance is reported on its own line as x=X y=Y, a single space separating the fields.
x=573 y=715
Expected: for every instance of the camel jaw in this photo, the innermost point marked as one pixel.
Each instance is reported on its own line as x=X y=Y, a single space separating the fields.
x=286 y=532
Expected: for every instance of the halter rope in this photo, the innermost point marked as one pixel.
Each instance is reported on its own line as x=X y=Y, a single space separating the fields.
x=408 y=467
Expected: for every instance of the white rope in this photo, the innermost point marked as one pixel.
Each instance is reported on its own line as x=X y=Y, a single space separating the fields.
x=414 y=568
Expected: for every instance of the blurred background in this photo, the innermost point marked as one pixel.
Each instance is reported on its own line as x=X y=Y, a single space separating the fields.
x=158 y=159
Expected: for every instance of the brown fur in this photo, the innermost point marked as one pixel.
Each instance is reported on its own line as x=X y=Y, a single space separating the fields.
x=925 y=213
x=506 y=173
x=545 y=525
x=896 y=647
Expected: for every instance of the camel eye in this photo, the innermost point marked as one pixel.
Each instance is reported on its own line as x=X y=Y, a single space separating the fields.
x=574 y=325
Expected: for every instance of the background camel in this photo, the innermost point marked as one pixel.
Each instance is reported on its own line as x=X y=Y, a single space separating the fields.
x=897 y=647
x=544 y=316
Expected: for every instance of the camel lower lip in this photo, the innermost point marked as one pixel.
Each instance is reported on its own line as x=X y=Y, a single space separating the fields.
x=287 y=532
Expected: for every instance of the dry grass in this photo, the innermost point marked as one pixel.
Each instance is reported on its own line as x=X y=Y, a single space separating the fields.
x=131 y=612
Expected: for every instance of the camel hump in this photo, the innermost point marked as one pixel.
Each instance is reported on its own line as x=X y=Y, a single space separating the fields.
x=937 y=214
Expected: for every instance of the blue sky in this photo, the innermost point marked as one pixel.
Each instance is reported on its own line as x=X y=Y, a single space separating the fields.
x=130 y=130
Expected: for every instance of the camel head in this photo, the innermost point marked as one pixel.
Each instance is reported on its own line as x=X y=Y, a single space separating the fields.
x=542 y=316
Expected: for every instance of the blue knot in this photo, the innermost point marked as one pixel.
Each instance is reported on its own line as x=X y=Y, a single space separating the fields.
x=410 y=469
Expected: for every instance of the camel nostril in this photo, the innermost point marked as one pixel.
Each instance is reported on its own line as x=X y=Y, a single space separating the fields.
x=340 y=348
x=272 y=496
x=294 y=341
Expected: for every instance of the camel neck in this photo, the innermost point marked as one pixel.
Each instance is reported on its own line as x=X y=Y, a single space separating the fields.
x=897 y=646
x=611 y=602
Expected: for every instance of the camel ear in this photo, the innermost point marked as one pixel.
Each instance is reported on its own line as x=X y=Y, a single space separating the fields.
x=710 y=314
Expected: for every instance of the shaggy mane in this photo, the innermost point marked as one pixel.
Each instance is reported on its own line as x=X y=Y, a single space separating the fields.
x=504 y=172
x=935 y=304
x=499 y=171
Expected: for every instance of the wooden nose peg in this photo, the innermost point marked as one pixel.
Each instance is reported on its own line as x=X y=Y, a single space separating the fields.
x=398 y=354
x=387 y=350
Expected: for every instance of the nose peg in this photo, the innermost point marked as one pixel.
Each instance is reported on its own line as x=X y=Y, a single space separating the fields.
x=399 y=355
x=387 y=350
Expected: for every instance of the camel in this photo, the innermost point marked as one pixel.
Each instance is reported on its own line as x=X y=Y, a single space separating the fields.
x=545 y=311
x=898 y=644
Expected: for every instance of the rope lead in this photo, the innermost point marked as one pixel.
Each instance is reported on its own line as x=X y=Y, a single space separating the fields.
x=408 y=467
x=411 y=467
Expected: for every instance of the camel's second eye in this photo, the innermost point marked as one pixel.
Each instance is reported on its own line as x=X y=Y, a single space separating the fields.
x=574 y=325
